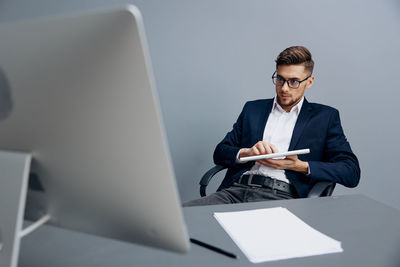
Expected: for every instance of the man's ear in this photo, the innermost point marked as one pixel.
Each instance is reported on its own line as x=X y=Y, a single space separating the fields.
x=310 y=82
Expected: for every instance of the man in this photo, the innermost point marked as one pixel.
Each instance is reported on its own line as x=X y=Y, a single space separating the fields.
x=286 y=122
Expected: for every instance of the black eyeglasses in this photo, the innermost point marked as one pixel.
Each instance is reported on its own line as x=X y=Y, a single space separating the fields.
x=292 y=83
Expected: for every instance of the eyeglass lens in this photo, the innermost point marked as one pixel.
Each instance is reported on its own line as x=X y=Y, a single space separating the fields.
x=291 y=82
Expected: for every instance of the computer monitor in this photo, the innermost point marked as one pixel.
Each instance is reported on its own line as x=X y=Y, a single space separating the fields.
x=78 y=94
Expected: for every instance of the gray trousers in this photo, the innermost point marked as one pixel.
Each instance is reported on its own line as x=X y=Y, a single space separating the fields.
x=238 y=193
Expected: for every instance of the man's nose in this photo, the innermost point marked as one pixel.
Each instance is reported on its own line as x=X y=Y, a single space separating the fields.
x=285 y=86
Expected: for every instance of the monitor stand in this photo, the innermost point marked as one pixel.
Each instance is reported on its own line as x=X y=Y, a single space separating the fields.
x=14 y=174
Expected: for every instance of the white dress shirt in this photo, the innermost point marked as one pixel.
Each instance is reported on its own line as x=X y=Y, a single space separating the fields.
x=278 y=131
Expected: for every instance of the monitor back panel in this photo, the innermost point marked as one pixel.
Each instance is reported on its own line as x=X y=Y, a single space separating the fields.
x=82 y=100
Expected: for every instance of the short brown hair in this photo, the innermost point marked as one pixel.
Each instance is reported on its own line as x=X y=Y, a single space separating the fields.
x=295 y=55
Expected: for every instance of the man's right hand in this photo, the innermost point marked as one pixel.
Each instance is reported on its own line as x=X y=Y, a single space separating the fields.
x=260 y=148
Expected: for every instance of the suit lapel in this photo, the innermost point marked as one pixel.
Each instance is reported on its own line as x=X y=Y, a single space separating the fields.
x=301 y=122
x=263 y=120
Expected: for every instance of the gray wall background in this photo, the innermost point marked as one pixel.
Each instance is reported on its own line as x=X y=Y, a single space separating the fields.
x=211 y=56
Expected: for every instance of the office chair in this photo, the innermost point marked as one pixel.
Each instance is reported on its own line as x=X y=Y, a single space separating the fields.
x=320 y=189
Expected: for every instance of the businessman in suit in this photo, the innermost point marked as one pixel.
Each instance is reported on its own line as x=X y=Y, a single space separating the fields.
x=286 y=122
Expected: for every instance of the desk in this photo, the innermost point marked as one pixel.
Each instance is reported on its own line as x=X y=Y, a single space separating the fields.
x=369 y=232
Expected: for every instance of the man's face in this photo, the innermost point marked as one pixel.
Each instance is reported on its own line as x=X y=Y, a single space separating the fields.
x=288 y=97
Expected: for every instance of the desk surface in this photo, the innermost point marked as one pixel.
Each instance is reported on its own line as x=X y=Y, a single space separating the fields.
x=369 y=232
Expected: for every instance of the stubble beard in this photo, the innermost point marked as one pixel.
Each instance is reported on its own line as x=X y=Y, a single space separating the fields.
x=291 y=103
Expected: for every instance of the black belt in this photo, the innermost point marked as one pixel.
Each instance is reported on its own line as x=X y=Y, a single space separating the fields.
x=268 y=182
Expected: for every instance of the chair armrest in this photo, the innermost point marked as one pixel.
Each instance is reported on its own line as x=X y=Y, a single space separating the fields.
x=207 y=177
x=322 y=189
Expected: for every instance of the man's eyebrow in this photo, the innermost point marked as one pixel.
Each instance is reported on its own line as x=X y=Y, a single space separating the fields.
x=291 y=78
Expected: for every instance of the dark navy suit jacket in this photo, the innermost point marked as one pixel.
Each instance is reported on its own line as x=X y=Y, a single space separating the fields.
x=317 y=127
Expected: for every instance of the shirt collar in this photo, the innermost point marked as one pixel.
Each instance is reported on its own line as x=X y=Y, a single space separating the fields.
x=297 y=108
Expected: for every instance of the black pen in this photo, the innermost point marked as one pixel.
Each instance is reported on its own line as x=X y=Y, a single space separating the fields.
x=226 y=253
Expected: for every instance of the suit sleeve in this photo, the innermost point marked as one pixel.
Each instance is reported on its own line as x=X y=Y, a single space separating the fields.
x=226 y=151
x=339 y=163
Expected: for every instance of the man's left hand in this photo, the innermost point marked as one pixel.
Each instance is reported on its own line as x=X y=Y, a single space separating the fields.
x=289 y=163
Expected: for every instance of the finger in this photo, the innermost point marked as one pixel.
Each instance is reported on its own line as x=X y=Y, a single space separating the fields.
x=270 y=163
x=279 y=164
x=255 y=150
x=292 y=158
x=267 y=147
x=261 y=148
x=265 y=163
x=274 y=149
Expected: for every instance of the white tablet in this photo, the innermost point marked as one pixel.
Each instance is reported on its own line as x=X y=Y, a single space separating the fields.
x=275 y=155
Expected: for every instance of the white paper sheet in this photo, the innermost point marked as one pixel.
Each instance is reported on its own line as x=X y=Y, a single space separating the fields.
x=274 y=234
